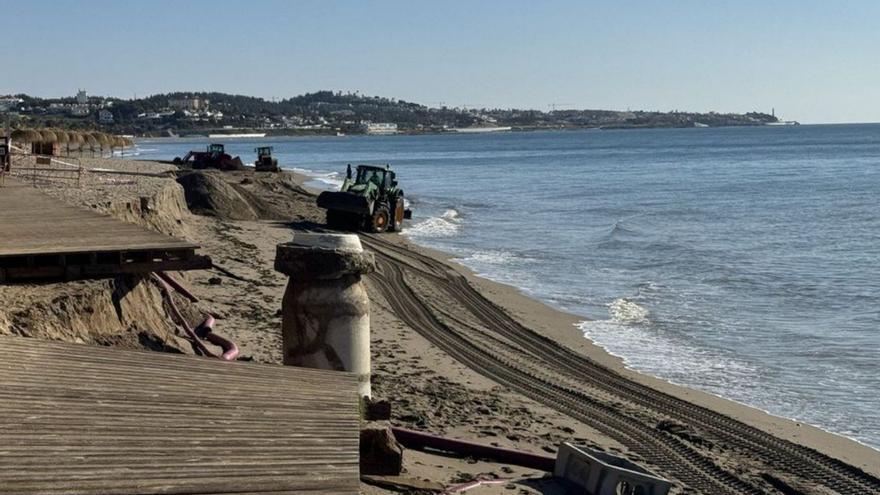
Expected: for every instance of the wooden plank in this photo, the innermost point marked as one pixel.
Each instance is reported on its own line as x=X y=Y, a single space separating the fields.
x=78 y=419
x=34 y=223
x=44 y=238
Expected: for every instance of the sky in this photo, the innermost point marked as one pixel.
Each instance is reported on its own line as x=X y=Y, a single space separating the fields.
x=813 y=61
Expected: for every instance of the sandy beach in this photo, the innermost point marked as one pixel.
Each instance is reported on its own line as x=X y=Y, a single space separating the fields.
x=454 y=353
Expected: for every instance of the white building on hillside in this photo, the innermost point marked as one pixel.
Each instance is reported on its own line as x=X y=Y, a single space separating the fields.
x=79 y=110
x=9 y=103
x=379 y=128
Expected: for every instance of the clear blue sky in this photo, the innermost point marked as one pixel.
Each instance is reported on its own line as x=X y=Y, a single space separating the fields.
x=815 y=61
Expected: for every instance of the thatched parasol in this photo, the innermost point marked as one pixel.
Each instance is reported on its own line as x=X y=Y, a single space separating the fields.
x=26 y=135
x=91 y=140
x=64 y=138
x=77 y=140
x=129 y=142
x=106 y=141
x=48 y=136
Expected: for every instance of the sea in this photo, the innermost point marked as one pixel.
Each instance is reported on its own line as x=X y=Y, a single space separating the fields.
x=744 y=262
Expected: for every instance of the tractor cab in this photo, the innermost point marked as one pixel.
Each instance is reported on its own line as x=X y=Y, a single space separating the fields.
x=380 y=176
x=371 y=174
x=216 y=148
x=265 y=162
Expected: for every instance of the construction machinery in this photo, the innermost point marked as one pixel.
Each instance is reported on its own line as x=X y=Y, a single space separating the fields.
x=5 y=156
x=214 y=157
x=5 y=159
x=369 y=200
x=265 y=162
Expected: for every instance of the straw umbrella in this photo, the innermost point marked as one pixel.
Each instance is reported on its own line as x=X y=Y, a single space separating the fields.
x=118 y=143
x=48 y=139
x=48 y=136
x=91 y=140
x=29 y=136
x=63 y=138
x=77 y=139
x=106 y=141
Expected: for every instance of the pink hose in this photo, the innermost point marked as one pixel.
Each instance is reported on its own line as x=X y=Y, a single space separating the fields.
x=205 y=331
x=473 y=484
x=420 y=440
x=176 y=286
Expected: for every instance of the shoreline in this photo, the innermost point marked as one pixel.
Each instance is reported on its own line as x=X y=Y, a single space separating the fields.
x=562 y=327
x=543 y=317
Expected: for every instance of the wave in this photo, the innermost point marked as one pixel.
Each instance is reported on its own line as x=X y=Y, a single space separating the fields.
x=445 y=225
x=618 y=230
x=493 y=257
x=320 y=180
x=627 y=312
x=642 y=348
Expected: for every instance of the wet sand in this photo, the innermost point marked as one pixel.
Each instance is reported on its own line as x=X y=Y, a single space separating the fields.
x=462 y=356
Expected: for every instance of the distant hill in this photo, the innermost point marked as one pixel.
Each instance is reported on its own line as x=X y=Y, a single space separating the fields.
x=325 y=112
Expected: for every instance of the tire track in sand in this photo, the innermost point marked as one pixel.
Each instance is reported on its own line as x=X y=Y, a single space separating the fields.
x=776 y=454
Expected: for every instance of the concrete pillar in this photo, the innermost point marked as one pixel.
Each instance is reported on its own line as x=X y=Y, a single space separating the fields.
x=326 y=312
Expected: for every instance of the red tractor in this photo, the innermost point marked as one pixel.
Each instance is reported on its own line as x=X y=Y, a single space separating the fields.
x=214 y=157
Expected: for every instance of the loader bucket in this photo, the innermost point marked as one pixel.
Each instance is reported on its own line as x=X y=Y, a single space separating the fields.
x=343 y=201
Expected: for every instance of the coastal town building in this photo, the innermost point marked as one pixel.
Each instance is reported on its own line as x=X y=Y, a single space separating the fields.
x=379 y=128
x=105 y=117
x=9 y=103
x=188 y=103
x=79 y=110
x=82 y=97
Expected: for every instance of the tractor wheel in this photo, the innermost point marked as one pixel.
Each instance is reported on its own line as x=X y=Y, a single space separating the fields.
x=397 y=220
x=380 y=220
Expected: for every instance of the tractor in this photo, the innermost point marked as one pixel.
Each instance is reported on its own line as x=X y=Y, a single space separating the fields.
x=5 y=156
x=214 y=157
x=369 y=200
x=265 y=162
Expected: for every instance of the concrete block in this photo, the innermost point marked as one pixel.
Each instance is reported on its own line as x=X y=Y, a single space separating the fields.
x=600 y=473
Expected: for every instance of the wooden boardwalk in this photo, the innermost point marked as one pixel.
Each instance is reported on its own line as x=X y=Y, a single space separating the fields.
x=77 y=419
x=43 y=237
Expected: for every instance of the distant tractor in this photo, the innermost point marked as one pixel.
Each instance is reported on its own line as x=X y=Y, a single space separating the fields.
x=370 y=201
x=265 y=162
x=214 y=157
x=5 y=158
x=5 y=155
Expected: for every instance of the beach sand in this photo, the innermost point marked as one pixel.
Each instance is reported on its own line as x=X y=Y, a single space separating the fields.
x=462 y=356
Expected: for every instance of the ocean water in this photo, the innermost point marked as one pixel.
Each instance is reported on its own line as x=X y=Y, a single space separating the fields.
x=744 y=262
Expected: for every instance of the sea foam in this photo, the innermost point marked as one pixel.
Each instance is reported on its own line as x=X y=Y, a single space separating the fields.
x=627 y=312
x=445 y=225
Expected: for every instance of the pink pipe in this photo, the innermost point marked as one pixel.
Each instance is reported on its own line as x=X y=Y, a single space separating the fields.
x=176 y=285
x=473 y=484
x=205 y=331
x=175 y=313
x=420 y=440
